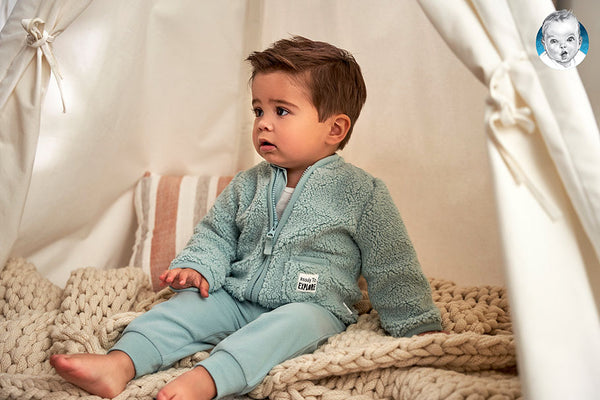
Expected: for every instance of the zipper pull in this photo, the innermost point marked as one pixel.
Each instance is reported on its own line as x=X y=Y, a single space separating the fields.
x=269 y=242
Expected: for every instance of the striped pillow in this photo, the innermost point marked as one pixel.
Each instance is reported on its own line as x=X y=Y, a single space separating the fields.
x=168 y=208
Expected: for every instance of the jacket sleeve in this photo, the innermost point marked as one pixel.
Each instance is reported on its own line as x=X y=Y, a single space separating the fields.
x=213 y=245
x=397 y=287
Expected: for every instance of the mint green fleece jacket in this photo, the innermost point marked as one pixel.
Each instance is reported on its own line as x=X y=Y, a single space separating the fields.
x=340 y=222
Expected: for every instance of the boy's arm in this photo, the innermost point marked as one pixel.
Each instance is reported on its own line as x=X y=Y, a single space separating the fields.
x=398 y=289
x=213 y=245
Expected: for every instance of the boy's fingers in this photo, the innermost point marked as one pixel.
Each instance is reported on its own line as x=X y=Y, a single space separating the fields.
x=204 y=288
x=197 y=280
x=170 y=276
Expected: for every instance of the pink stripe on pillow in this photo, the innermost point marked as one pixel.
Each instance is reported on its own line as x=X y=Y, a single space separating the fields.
x=164 y=238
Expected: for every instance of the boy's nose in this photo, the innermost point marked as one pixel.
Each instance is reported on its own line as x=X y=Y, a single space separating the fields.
x=265 y=125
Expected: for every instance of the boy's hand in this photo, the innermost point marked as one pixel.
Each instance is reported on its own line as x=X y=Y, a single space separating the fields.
x=183 y=278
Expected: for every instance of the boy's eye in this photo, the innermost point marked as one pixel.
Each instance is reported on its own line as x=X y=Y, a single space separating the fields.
x=571 y=38
x=258 y=112
x=282 y=111
x=553 y=41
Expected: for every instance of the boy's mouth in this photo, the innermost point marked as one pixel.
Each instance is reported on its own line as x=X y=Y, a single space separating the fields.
x=265 y=145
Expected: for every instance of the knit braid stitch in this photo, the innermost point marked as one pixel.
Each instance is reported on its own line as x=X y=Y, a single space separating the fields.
x=475 y=359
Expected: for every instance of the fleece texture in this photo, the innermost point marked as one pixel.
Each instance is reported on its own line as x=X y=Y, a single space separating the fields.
x=341 y=222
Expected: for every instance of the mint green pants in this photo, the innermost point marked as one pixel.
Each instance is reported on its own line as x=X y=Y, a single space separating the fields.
x=247 y=339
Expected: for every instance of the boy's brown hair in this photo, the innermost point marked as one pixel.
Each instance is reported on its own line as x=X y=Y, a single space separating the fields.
x=331 y=75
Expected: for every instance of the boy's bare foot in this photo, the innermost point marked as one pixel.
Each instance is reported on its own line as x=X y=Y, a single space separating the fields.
x=196 y=384
x=102 y=375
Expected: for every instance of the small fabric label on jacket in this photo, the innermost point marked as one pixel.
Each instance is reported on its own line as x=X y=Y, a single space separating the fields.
x=307 y=283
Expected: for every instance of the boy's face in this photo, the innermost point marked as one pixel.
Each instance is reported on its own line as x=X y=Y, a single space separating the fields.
x=562 y=40
x=287 y=131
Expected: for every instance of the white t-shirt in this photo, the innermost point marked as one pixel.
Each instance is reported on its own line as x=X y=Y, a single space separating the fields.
x=283 y=201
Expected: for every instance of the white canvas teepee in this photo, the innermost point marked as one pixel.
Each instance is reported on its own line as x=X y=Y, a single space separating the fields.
x=551 y=264
x=162 y=86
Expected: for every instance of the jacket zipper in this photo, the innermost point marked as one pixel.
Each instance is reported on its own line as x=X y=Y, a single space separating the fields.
x=253 y=287
x=273 y=219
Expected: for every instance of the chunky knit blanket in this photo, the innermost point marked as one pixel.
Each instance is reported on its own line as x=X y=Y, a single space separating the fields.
x=473 y=359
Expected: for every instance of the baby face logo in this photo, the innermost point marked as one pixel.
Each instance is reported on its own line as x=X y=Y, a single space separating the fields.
x=307 y=283
x=562 y=41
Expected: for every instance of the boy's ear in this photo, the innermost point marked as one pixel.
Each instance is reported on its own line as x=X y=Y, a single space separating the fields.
x=340 y=125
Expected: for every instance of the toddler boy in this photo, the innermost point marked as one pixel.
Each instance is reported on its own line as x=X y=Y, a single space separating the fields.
x=271 y=272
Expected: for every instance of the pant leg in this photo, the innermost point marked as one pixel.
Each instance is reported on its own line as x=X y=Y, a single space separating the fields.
x=242 y=360
x=181 y=326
